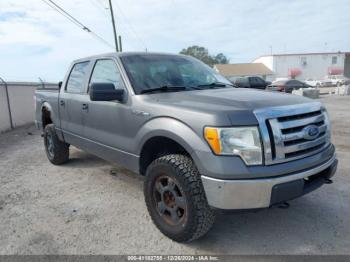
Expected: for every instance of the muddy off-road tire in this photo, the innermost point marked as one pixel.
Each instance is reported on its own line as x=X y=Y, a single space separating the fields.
x=57 y=151
x=176 y=200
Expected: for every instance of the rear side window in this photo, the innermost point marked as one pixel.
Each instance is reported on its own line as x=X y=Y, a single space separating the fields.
x=76 y=78
x=106 y=71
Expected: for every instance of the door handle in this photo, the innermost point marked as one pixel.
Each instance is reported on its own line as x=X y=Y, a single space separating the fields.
x=85 y=106
x=62 y=103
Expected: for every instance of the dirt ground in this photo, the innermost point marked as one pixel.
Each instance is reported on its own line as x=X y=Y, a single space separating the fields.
x=84 y=208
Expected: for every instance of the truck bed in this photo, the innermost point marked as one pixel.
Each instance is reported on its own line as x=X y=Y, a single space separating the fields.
x=47 y=97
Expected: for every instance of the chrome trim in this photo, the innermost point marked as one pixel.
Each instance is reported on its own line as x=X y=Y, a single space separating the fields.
x=301 y=122
x=300 y=135
x=305 y=145
x=250 y=193
x=274 y=151
x=277 y=137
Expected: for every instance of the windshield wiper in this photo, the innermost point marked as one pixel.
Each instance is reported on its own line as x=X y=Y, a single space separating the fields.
x=215 y=84
x=164 y=89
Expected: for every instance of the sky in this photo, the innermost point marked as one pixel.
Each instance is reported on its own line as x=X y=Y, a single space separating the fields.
x=36 y=41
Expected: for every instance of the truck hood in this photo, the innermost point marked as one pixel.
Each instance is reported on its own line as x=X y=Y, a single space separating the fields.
x=228 y=99
x=236 y=104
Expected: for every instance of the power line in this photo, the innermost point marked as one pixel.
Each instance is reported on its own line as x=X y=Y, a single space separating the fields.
x=132 y=29
x=125 y=27
x=75 y=21
x=104 y=10
x=101 y=4
x=98 y=7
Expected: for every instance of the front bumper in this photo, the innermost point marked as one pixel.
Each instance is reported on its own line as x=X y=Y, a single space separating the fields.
x=264 y=192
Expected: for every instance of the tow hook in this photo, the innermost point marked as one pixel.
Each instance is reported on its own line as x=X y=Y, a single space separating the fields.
x=328 y=181
x=284 y=205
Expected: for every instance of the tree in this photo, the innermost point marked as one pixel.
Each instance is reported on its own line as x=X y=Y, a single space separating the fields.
x=202 y=54
x=221 y=59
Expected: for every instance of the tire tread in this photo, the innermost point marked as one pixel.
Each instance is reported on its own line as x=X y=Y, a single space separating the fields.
x=204 y=215
x=61 y=154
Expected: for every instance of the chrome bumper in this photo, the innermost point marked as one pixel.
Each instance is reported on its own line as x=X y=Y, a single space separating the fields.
x=250 y=193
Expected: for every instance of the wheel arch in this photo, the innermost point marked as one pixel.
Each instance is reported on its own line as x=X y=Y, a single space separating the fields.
x=167 y=136
x=46 y=114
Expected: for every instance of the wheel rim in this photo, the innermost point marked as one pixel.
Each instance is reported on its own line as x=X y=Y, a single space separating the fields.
x=50 y=145
x=169 y=200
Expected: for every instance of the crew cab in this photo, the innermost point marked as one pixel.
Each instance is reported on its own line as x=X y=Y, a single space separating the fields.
x=202 y=144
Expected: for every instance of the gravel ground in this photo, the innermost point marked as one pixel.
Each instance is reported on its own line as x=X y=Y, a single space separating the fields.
x=84 y=208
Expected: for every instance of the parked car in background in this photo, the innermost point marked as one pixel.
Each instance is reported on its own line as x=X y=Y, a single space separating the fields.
x=287 y=85
x=338 y=80
x=251 y=82
x=318 y=83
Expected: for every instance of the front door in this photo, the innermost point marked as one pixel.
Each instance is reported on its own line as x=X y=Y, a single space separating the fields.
x=107 y=122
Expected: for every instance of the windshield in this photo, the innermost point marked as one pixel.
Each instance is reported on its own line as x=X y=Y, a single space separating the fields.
x=148 y=71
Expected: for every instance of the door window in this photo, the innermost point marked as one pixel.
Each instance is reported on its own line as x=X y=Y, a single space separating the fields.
x=295 y=83
x=76 y=78
x=256 y=81
x=106 y=71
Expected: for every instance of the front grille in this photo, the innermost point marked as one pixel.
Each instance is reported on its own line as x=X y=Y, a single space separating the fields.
x=283 y=131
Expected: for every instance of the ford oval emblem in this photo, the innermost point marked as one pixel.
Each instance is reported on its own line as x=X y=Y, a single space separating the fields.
x=311 y=132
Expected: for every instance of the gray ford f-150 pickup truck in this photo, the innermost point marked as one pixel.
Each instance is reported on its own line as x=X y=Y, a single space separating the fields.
x=201 y=143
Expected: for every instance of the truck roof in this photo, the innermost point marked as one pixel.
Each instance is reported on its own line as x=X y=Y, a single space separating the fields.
x=119 y=54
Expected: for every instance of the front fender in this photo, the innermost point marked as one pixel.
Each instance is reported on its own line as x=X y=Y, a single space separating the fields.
x=173 y=129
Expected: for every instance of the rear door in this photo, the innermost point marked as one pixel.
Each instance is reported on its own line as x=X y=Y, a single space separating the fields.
x=71 y=103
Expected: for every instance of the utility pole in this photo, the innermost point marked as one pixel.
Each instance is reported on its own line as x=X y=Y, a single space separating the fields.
x=120 y=43
x=113 y=23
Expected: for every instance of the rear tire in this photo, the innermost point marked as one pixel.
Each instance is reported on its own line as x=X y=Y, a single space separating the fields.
x=57 y=151
x=176 y=200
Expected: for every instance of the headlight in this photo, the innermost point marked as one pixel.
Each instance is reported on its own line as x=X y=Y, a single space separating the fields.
x=241 y=141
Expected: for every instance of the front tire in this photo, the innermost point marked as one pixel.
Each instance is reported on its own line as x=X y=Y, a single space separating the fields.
x=57 y=151
x=176 y=200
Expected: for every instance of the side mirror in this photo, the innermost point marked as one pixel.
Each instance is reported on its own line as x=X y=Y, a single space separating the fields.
x=59 y=84
x=105 y=92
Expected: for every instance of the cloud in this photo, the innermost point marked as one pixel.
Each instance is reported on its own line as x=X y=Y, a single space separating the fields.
x=37 y=41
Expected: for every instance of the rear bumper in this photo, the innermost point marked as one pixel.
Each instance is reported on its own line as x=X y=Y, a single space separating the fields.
x=264 y=192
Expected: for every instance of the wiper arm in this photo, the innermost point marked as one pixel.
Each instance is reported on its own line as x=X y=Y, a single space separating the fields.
x=163 y=89
x=215 y=84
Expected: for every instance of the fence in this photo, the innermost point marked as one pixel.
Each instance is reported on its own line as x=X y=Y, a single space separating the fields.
x=17 y=103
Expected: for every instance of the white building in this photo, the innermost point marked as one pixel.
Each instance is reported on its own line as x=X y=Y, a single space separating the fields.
x=307 y=65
